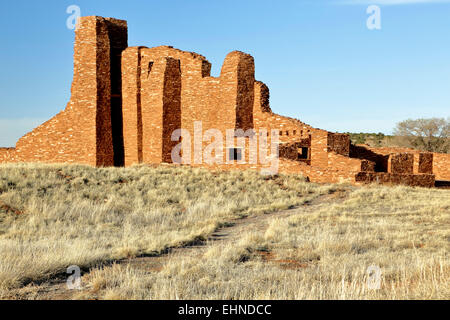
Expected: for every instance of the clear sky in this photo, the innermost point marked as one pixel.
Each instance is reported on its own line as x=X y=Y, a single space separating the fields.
x=319 y=59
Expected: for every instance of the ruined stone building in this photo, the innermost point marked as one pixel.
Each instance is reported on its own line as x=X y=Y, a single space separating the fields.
x=127 y=101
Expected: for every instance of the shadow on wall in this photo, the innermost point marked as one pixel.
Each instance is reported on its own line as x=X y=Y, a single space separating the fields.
x=381 y=161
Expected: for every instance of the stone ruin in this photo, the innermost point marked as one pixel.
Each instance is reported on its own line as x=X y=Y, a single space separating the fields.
x=127 y=101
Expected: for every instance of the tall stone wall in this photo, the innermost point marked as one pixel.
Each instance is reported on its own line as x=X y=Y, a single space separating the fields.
x=132 y=106
x=176 y=95
x=319 y=148
x=127 y=102
x=83 y=132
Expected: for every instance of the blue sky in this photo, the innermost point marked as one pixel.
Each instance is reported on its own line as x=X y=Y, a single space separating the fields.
x=320 y=61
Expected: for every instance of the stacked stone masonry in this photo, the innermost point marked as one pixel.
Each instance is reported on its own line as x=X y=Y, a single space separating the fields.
x=424 y=162
x=127 y=102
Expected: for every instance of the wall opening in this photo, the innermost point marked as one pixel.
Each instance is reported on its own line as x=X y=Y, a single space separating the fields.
x=303 y=154
x=118 y=38
x=235 y=154
x=149 y=70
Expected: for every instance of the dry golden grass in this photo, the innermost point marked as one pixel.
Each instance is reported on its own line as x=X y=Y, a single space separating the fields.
x=54 y=216
x=319 y=254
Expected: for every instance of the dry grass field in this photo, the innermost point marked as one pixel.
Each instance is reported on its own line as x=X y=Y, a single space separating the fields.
x=181 y=233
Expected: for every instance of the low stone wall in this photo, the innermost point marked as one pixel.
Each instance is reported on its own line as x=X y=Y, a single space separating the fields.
x=402 y=163
x=316 y=174
x=441 y=161
x=343 y=163
x=425 y=163
x=418 y=180
x=7 y=155
x=364 y=152
x=441 y=166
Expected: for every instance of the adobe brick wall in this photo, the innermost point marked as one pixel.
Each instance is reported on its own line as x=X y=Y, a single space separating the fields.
x=402 y=163
x=420 y=180
x=317 y=174
x=290 y=130
x=83 y=132
x=441 y=166
x=364 y=152
x=441 y=161
x=344 y=163
x=132 y=107
x=127 y=101
x=292 y=150
x=425 y=164
x=169 y=78
x=319 y=148
x=7 y=155
x=339 y=143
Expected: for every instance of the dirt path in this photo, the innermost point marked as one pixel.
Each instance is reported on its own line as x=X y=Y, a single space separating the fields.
x=56 y=289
